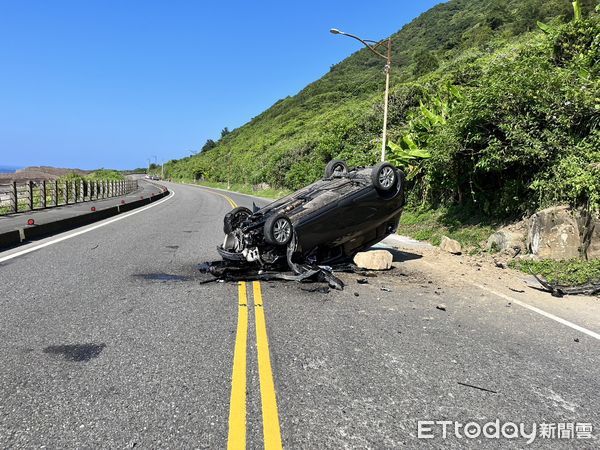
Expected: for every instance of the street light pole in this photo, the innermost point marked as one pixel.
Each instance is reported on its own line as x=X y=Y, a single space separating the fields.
x=372 y=45
x=386 y=98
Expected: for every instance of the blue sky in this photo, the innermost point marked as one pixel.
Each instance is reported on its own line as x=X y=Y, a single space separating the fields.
x=96 y=83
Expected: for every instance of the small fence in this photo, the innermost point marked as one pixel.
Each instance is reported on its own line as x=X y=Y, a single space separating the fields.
x=30 y=195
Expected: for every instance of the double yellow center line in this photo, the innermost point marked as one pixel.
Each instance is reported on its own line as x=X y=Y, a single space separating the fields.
x=237 y=407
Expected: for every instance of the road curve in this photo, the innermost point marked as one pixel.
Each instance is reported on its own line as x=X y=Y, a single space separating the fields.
x=108 y=339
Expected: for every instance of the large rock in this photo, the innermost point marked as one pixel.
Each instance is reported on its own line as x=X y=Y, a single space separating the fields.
x=507 y=240
x=450 y=246
x=554 y=234
x=374 y=260
x=592 y=239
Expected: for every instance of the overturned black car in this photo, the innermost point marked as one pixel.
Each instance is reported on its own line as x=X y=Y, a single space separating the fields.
x=344 y=213
x=332 y=219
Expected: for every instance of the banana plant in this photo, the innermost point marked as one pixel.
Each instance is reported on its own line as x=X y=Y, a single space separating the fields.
x=408 y=155
x=577 y=10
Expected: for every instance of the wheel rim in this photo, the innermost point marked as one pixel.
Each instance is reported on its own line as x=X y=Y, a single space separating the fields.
x=386 y=177
x=339 y=169
x=282 y=231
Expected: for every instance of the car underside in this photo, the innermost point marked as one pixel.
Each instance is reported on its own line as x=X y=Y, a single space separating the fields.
x=332 y=219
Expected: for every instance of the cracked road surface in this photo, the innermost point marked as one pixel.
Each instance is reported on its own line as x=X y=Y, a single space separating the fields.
x=108 y=339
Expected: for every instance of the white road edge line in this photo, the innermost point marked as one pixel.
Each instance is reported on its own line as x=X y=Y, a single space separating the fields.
x=87 y=230
x=540 y=311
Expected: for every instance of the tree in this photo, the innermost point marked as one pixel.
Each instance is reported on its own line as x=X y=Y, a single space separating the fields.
x=209 y=144
x=224 y=132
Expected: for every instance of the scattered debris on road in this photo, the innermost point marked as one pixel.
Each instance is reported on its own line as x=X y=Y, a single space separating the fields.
x=520 y=291
x=557 y=290
x=362 y=281
x=441 y=307
x=500 y=264
x=477 y=387
x=384 y=289
x=225 y=271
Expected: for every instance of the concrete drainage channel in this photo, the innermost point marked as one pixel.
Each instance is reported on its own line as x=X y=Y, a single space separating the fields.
x=22 y=235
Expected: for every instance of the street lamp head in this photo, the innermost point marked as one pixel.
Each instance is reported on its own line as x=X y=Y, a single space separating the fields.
x=335 y=31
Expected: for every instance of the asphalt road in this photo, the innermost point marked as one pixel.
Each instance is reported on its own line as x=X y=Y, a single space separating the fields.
x=108 y=340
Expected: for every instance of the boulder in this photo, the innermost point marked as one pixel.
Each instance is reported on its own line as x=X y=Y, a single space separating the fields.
x=554 y=234
x=506 y=240
x=450 y=246
x=374 y=260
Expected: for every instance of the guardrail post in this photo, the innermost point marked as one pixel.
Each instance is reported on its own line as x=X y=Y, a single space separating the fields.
x=66 y=192
x=55 y=192
x=30 y=192
x=15 y=197
x=43 y=205
x=82 y=190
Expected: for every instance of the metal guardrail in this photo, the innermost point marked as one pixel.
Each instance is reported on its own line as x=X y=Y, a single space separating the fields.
x=31 y=195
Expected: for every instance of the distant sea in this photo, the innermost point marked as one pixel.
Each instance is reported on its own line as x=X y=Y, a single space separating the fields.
x=8 y=169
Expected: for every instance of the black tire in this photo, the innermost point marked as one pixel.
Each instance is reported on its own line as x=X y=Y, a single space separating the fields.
x=384 y=177
x=234 y=218
x=335 y=166
x=278 y=230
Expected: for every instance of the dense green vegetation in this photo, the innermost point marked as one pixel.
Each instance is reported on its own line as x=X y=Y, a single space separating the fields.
x=462 y=224
x=97 y=175
x=568 y=273
x=509 y=110
x=269 y=192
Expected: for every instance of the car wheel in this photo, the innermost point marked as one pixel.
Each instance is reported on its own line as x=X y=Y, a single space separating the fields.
x=384 y=177
x=278 y=230
x=335 y=167
x=234 y=218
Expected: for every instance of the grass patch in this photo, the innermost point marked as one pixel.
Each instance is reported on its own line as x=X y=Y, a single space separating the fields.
x=569 y=273
x=466 y=226
x=243 y=189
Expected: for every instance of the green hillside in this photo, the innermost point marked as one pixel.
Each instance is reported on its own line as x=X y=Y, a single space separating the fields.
x=509 y=113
